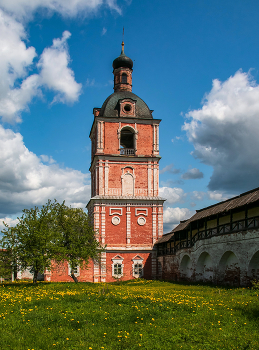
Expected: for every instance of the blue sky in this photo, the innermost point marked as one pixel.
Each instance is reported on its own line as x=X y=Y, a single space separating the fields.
x=195 y=63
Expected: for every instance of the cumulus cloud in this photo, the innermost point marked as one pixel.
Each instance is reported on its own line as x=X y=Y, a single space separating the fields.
x=172 y=195
x=225 y=131
x=55 y=73
x=173 y=216
x=18 y=87
x=217 y=196
x=16 y=58
x=47 y=159
x=9 y=221
x=26 y=181
x=170 y=169
x=193 y=173
x=23 y=9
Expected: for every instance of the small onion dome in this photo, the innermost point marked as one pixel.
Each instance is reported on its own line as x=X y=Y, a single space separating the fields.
x=123 y=60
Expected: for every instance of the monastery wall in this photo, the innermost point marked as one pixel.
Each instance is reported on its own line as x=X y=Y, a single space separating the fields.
x=230 y=259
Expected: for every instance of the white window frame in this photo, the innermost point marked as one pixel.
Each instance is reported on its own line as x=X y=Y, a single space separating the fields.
x=137 y=260
x=117 y=260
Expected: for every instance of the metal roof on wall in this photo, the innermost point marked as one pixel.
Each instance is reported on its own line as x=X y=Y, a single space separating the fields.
x=222 y=207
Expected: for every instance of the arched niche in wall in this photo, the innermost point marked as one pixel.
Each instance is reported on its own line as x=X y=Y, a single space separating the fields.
x=127 y=181
x=229 y=269
x=204 y=268
x=124 y=78
x=253 y=267
x=185 y=267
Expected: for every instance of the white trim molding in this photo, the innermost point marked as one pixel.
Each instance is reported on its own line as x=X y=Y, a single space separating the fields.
x=137 y=266
x=141 y=211
x=118 y=211
x=117 y=260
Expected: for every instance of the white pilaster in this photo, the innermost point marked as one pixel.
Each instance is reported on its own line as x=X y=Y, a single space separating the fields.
x=96 y=218
x=155 y=177
x=101 y=188
x=106 y=178
x=103 y=224
x=103 y=267
x=100 y=137
x=96 y=271
x=160 y=221
x=128 y=223
x=149 y=178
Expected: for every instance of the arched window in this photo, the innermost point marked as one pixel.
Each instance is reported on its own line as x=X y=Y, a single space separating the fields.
x=124 y=78
x=127 y=141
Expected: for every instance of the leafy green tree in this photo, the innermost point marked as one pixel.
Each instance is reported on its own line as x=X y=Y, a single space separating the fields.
x=32 y=241
x=54 y=232
x=6 y=268
x=8 y=255
x=77 y=239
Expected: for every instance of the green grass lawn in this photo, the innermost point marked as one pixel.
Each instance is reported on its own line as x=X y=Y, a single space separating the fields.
x=131 y=315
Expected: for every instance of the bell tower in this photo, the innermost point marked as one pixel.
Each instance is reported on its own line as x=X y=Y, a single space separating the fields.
x=125 y=206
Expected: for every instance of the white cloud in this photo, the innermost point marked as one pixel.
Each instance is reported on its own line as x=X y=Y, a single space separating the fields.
x=17 y=87
x=170 y=169
x=9 y=221
x=25 y=181
x=55 y=73
x=23 y=9
x=104 y=31
x=193 y=173
x=16 y=58
x=172 y=195
x=47 y=159
x=173 y=216
x=198 y=195
x=218 y=196
x=225 y=131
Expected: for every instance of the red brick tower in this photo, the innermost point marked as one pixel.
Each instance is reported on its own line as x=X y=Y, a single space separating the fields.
x=125 y=206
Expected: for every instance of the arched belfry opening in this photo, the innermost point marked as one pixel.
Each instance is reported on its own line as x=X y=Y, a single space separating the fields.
x=127 y=141
x=124 y=78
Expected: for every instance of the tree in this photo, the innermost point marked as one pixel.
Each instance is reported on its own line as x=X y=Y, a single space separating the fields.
x=8 y=255
x=54 y=232
x=77 y=239
x=32 y=241
x=6 y=268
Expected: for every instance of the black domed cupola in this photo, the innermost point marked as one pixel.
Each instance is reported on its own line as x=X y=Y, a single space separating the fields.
x=122 y=70
x=122 y=61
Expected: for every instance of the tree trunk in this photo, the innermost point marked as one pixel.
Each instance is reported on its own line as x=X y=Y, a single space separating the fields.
x=35 y=276
x=73 y=276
